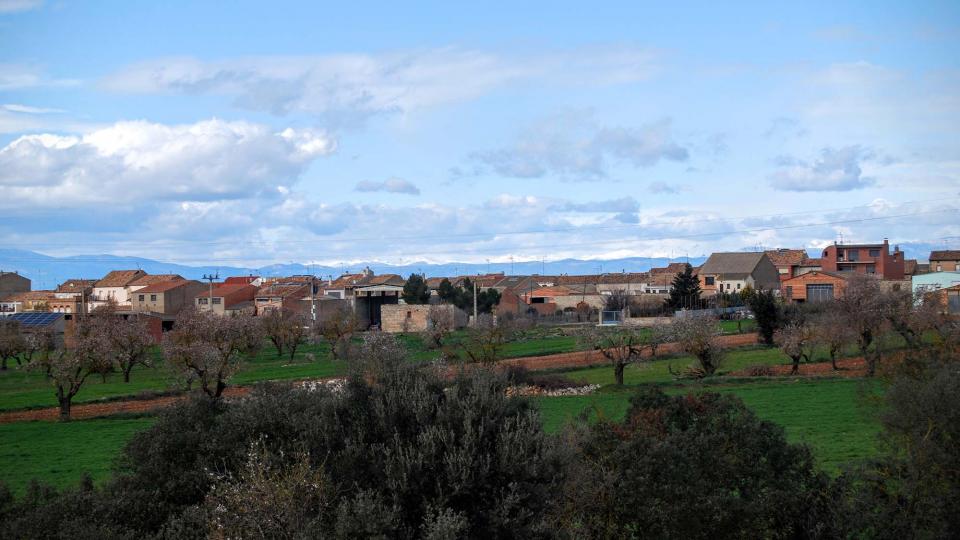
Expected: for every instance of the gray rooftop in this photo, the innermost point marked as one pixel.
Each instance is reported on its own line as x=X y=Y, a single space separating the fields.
x=732 y=263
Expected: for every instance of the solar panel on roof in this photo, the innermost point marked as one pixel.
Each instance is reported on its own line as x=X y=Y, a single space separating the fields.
x=36 y=319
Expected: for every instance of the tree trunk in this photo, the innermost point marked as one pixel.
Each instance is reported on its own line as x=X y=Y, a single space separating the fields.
x=618 y=373
x=64 y=402
x=833 y=359
x=126 y=373
x=795 y=370
x=4 y=368
x=221 y=386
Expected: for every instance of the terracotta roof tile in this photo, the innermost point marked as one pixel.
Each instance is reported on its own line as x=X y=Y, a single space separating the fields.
x=164 y=286
x=150 y=279
x=945 y=255
x=120 y=278
x=786 y=257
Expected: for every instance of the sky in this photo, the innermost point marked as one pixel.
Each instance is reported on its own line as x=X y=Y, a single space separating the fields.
x=250 y=133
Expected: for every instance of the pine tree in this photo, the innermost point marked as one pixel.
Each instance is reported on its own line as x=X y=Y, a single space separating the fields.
x=415 y=290
x=686 y=290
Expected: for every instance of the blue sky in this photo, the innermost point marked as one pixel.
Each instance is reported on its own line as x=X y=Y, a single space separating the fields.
x=251 y=133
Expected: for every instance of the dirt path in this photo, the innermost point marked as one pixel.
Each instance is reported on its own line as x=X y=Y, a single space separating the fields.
x=849 y=367
x=533 y=363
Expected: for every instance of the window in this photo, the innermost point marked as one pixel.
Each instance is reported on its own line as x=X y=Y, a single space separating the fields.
x=819 y=292
x=202 y=301
x=874 y=252
x=871 y=269
x=141 y=298
x=709 y=280
x=728 y=286
x=939 y=269
x=153 y=298
x=839 y=254
x=216 y=300
x=789 y=291
x=738 y=286
x=409 y=314
x=853 y=255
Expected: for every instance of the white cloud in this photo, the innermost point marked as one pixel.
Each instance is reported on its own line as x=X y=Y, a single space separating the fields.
x=19 y=76
x=836 y=169
x=27 y=109
x=13 y=6
x=390 y=185
x=367 y=84
x=570 y=147
x=131 y=161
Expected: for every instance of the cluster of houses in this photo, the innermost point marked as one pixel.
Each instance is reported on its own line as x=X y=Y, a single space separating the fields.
x=376 y=299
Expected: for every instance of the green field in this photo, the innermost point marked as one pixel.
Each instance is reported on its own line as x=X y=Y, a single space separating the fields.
x=834 y=416
x=21 y=389
x=60 y=454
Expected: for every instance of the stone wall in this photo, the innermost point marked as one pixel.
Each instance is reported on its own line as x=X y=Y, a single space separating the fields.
x=414 y=317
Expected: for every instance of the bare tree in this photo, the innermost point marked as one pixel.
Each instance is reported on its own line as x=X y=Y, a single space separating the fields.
x=622 y=346
x=660 y=334
x=487 y=337
x=830 y=331
x=862 y=309
x=128 y=341
x=338 y=331
x=68 y=369
x=38 y=341
x=286 y=329
x=796 y=341
x=210 y=348
x=440 y=323
x=698 y=336
x=12 y=344
x=617 y=300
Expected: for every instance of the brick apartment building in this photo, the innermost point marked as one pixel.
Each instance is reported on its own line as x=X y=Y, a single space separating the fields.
x=945 y=261
x=873 y=259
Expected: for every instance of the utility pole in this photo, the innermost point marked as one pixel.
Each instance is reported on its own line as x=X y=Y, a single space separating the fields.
x=210 y=278
x=313 y=305
x=475 y=302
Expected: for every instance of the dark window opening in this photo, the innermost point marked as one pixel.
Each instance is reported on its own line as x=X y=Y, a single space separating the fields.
x=709 y=280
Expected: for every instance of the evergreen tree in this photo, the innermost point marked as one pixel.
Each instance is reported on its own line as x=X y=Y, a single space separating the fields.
x=766 y=311
x=447 y=292
x=686 y=290
x=415 y=290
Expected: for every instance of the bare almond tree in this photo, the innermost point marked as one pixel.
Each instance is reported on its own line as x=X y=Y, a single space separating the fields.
x=660 y=334
x=127 y=341
x=699 y=337
x=796 y=341
x=12 y=344
x=39 y=341
x=487 y=337
x=338 y=331
x=210 y=348
x=830 y=331
x=440 y=323
x=862 y=309
x=68 y=369
x=622 y=346
x=286 y=329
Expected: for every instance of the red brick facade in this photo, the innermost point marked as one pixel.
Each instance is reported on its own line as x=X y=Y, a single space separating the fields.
x=864 y=259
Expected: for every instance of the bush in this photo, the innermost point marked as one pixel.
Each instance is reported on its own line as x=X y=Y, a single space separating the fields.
x=760 y=370
x=695 y=466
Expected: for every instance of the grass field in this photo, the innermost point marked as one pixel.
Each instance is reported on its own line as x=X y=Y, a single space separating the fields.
x=60 y=454
x=20 y=389
x=834 y=416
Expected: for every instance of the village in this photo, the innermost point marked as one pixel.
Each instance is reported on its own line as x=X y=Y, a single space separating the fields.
x=378 y=300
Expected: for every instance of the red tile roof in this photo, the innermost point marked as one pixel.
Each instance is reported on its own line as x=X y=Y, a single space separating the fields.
x=786 y=257
x=164 y=286
x=945 y=255
x=225 y=288
x=120 y=278
x=240 y=280
x=150 y=279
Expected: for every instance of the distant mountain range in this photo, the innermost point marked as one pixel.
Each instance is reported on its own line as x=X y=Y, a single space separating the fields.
x=47 y=272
